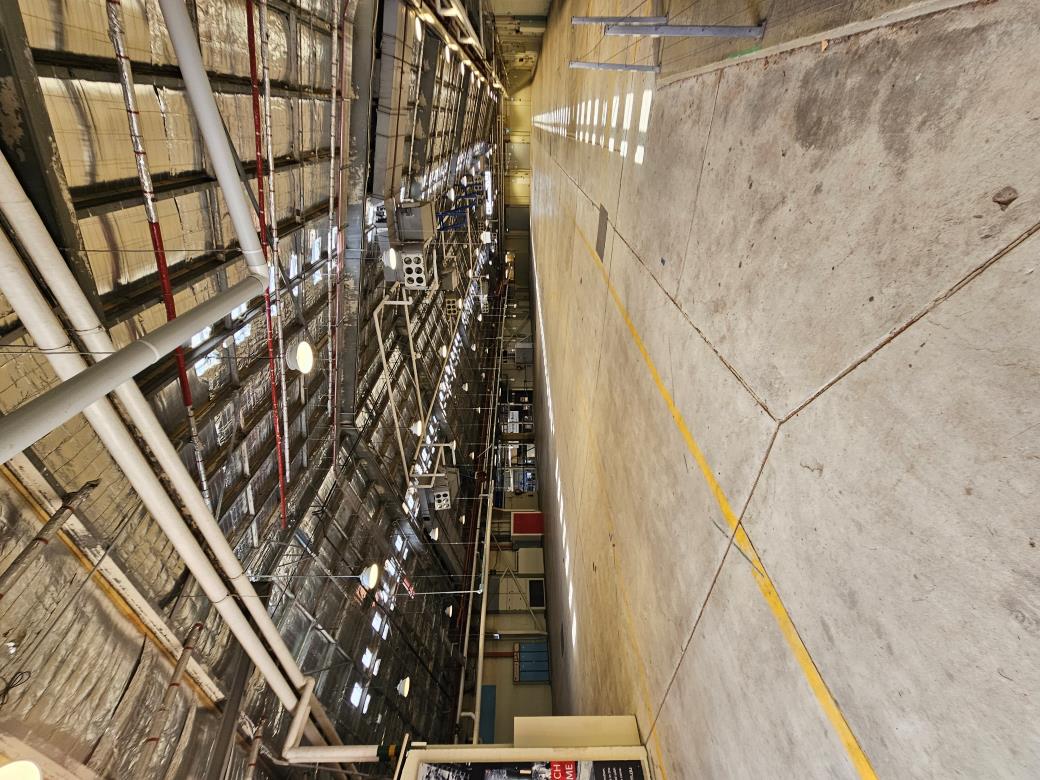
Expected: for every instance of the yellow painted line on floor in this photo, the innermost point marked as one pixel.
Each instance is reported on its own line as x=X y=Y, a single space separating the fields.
x=743 y=541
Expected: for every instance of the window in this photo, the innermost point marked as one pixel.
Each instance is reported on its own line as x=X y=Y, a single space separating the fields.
x=242 y=333
x=355 y=694
x=211 y=359
x=368 y=700
x=377 y=621
x=200 y=337
x=536 y=593
x=367 y=659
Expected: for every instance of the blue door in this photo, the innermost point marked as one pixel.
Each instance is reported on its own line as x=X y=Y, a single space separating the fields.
x=487 y=713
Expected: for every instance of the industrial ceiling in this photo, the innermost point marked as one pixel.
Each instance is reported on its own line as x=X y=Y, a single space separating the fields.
x=247 y=481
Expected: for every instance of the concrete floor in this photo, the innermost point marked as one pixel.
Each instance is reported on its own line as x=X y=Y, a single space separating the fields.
x=791 y=378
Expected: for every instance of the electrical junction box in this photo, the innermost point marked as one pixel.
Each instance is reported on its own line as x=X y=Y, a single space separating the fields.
x=415 y=221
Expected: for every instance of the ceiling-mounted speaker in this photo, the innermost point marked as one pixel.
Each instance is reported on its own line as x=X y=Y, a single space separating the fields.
x=414 y=272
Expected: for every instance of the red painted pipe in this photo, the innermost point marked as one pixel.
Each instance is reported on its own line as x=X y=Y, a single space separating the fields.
x=126 y=79
x=262 y=214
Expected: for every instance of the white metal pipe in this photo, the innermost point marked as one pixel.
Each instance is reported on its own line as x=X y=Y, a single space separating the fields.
x=31 y=421
x=43 y=326
x=619 y=20
x=303 y=708
x=211 y=127
x=162 y=713
x=254 y=752
x=322 y=754
x=487 y=537
x=23 y=217
x=32 y=550
x=580 y=65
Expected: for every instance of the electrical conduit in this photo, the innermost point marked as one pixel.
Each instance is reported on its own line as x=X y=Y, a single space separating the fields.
x=144 y=175
x=262 y=214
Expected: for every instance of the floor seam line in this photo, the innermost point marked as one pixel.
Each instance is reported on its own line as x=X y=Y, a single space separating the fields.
x=715 y=578
x=729 y=366
x=700 y=178
x=927 y=309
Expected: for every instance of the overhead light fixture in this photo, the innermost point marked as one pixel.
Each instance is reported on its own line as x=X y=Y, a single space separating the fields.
x=20 y=770
x=447 y=53
x=462 y=518
x=404 y=687
x=302 y=358
x=370 y=577
x=435 y=534
x=473 y=348
x=416 y=427
x=480 y=318
x=465 y=387
x=443 y=351
x=486 y=236
x=449 y=610
x=390 y=258
x=418 y=29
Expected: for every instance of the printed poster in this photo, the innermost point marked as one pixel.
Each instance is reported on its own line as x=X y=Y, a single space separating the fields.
x=534 y=770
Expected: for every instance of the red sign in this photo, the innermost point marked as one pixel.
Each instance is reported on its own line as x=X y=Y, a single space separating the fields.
x=528 y=523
